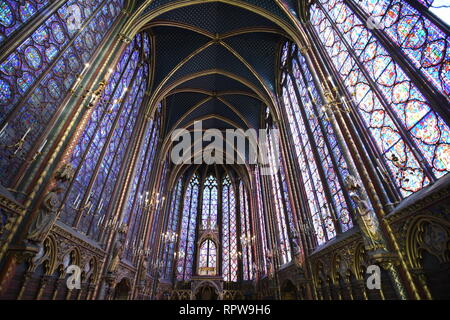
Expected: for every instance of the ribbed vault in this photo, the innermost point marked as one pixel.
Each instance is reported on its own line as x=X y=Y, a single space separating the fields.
x=214 y=61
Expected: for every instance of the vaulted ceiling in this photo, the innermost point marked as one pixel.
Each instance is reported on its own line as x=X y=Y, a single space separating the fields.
x=215 y=61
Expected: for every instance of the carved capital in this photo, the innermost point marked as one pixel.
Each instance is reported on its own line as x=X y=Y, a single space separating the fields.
x=24 y=253
x=304 y=50
x=125 y=38
x=110 y=280
x=385 y=259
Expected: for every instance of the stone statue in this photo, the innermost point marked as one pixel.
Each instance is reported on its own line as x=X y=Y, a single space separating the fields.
x=367 y=216
x=354 y=188
x=46 y=217
x=269 y=262
x=297 y=251
x=143 y=273
x=119 y=247
x=122 y=230
x=65 y=173
x=116 y=256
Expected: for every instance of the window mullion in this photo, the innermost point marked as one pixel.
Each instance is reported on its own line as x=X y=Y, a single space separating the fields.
x=19 y=103
x=97 y=128
x=314 y=149
x=401 y=129
x=308 y=169
x=314 y=108
x=111 y=167
x=365 y=137
x=105 y=147
x=423 y=85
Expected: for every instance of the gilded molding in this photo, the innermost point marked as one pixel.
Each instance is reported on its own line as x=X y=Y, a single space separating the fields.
x=11 y=205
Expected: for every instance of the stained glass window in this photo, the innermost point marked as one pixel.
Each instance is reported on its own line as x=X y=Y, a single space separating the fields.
x=186 y=245
x=320 y=158
x=157 y=215
x=412 y=140
x=37 y=75
x=282 y=204
x=99 y=154
x=140 y=199
x=421 y=41
x=14 y=14
x=247 y=237
x=229 y=232
x=207 y=264
x=172 y=229
x=209 y=205
x=159 y=191
x=261 y=219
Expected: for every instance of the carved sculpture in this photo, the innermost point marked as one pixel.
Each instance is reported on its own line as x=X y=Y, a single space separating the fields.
x=118 y=249
x=297 y=251
x=65 y=173
x=116 y=256
x=254 y=271
x=144 y=268
x=46 y=216
x=269 y=262
x=369 y=221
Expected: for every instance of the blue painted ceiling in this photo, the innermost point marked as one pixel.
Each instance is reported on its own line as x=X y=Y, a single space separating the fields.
x=241 y=65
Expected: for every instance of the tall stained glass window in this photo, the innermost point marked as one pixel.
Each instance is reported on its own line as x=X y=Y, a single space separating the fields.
x=172 y=229
x=237 y=231
x=261 y=219
x=140 y=199
x=100 y=152
x=14 y=14
x=37 y=74
x=410 y=138
x=186 y=244
x=157 y=214
x=210 y=197
x=281 y=199
x=247 y=237
x=320 y=158
x=420 y=38
x=229 y=232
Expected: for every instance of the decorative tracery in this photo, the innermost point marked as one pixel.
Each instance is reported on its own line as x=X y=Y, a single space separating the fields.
x=172 y=230
x=229 y=232
x=14 y=14
x=188 y=230
x=320 y=158
x=247 y=236
x=412 y=140
x=283 y=211
x=101 y=149
x=209 y=201
x=37 y=75
x=422 y=41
